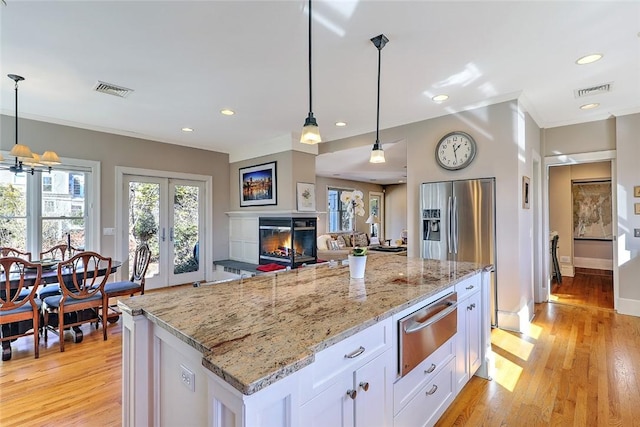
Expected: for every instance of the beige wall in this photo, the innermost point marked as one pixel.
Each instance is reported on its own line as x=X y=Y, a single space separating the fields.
x=395 y=206
x=115 y=150
x=582 y=138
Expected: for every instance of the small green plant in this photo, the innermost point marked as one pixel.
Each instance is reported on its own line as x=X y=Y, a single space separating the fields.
x=358 y=251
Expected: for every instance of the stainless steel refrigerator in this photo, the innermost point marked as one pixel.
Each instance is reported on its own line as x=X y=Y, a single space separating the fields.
x=458 y=224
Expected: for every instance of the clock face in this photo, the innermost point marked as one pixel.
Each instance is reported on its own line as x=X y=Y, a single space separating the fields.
x=455 y=150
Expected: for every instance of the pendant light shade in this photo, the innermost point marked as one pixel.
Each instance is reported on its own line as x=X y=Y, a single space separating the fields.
x=310 y=130
x=377 y=154
x=26 y=160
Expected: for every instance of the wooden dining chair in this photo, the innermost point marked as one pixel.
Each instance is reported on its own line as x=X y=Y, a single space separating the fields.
x=19 y=315
x=134 y=285
x=59 y=252
x=83 y=299
x=13 y=252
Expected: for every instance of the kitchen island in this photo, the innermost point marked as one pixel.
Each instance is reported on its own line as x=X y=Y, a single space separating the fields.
x=252 y=351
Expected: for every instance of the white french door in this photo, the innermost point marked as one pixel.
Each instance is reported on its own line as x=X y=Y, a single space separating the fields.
x=168 y=214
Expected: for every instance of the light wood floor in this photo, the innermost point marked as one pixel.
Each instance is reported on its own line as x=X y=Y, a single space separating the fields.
x=578 y=366
x=588 y=287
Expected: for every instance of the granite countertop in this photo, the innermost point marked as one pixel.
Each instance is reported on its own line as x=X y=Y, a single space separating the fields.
x=255 y=331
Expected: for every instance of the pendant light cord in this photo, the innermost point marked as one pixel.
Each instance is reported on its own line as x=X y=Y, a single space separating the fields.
x=16 y=89
x=378 y=107
x=310 y=103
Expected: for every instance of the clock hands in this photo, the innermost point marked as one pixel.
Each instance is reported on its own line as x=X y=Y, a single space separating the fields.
x=455 y=148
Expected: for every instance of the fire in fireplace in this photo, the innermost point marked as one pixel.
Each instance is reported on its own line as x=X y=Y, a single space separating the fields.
x=288 y=241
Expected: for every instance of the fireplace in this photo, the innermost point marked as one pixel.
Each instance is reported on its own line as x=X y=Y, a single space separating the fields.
x=288 y=241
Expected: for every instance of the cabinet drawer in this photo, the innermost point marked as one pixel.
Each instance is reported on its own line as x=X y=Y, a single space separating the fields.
x=410 y=384
x=430 y=402
x=468 y=286
x=348 y=354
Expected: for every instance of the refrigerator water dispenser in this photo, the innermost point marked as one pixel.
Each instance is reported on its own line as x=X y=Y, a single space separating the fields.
x=431 y=224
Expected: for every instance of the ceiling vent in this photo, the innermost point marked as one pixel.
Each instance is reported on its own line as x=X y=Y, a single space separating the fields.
x=593 y=90
x=112 y=89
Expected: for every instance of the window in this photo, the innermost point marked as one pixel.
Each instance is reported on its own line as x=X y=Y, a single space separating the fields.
x=47 y=187
x=54 y=210
x=338 y=218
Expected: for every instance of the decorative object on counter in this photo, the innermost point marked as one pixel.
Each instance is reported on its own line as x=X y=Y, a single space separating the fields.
x=306 y=193
x=377 y=154
x=258 y=186
x=26 y=160
x=357 y=263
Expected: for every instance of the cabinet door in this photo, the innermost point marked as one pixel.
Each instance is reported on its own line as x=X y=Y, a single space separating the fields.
x=331 y=408
x=373 y=382
x=462 y=359
x=474 y=333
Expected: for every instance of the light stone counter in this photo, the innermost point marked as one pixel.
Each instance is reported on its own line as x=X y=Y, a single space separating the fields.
x=255 y=331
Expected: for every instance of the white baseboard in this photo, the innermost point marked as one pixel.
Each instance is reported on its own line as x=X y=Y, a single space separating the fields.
x=627 y=306
x=517 y=322
x=567 y=270
x=595 y=263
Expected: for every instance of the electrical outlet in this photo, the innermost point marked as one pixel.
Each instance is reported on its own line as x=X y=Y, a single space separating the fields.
x=636 y=232
x=188 y=378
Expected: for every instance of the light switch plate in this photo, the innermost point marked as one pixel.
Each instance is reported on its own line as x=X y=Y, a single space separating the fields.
x=108 y=231
x=636 y=232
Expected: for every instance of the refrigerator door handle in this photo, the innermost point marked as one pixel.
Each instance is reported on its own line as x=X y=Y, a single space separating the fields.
x=450 y=228
x=455 y=225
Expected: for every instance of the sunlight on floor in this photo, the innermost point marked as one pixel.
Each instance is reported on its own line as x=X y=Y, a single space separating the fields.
x=533 y=331
x=511 y=343
x=506 y=373
x=553 y=298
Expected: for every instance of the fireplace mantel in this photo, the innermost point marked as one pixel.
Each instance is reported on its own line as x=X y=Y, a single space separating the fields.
x=256 y=213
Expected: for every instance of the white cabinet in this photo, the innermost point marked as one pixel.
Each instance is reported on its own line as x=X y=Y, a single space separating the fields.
x=350 y=383
x=469 y=337
x=359 y=398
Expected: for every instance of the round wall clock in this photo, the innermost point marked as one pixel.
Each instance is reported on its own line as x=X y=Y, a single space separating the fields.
x=455 y=150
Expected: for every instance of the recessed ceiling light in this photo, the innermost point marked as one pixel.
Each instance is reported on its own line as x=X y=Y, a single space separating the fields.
x=341 y=124
x=588 y=59
x=440 y=98
x=589 y=106
x=400 y=181
x=187 y=130
x=227 y=112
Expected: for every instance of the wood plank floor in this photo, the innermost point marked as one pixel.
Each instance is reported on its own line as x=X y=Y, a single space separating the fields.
x=588 y=287
x=578 y=366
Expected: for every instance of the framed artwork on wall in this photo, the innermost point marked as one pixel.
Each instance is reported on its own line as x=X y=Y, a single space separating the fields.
x=592 y=210
x=306 y=196
x=636 y=208
x=526 y=184
x=636 y=191
x=258 y=185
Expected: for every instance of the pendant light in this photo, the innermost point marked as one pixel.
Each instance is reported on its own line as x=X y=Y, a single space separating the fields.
x=310 y=130
x=377 y=154
x=22 y=153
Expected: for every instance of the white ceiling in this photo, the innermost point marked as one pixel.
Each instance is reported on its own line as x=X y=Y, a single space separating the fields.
x=187 y=60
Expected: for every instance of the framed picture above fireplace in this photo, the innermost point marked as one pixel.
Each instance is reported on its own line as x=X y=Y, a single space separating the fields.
x=258 y=185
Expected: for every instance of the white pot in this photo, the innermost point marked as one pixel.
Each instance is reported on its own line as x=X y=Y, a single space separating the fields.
x=357 y=266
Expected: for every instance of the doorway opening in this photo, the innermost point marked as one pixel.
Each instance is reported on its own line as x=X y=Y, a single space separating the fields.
x=582 y=214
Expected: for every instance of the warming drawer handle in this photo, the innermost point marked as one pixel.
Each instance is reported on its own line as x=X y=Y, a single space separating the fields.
x=416 y=326
x=354 y=353
x=433 y=390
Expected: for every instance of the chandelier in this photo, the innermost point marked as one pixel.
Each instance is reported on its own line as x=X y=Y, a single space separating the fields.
x=24 y=159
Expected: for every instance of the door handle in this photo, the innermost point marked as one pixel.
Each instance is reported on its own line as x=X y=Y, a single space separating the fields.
x=163 y=237
x=450 y=228
x=455 y=221
x=171 y=234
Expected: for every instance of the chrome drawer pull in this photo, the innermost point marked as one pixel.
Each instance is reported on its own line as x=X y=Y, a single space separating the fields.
x=431 y=369
x=352 y=394
x=473 y=306
x=355 y=353
x=469 y=287
x=433 y=390
x=364 y=385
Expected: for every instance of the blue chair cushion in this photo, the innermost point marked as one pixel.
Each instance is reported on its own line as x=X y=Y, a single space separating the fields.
x=49 y=290
x=22 y=309
x=54 y=301
x=124 y=286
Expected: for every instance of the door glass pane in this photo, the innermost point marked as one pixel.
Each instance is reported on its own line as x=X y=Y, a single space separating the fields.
x=144 y=217
x=186 y=201
x=13 y=210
